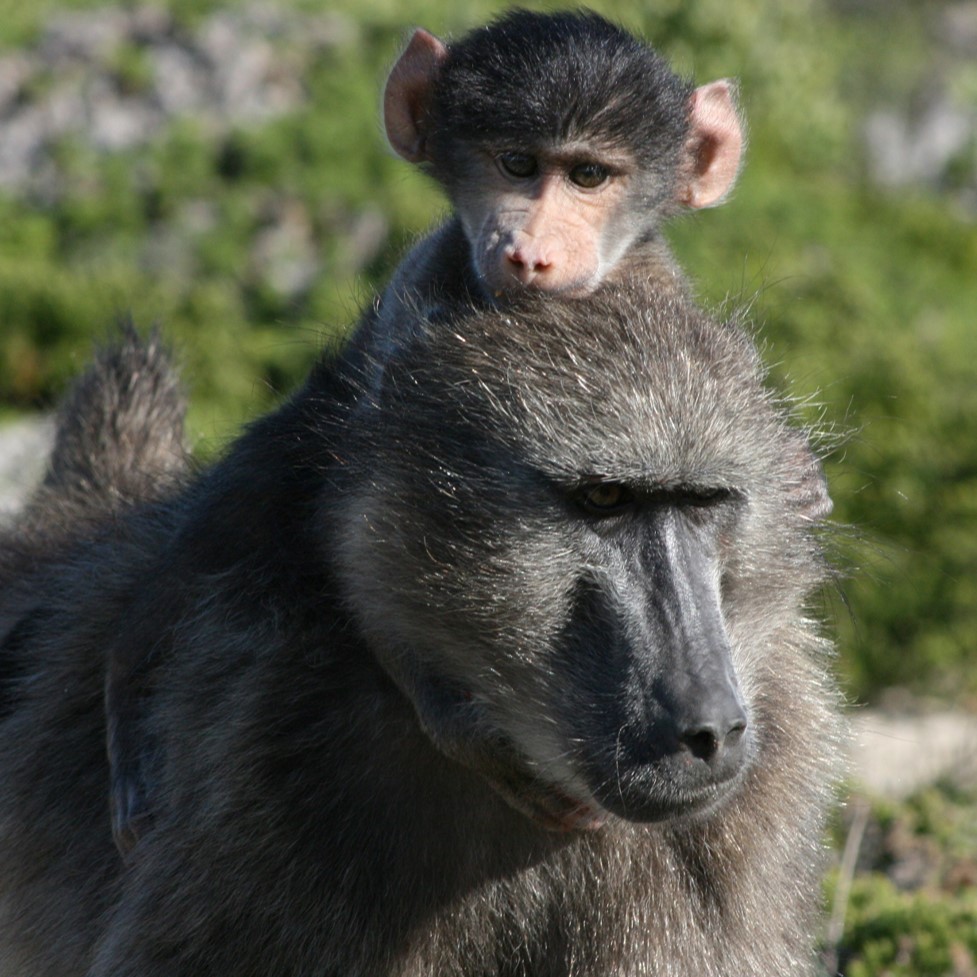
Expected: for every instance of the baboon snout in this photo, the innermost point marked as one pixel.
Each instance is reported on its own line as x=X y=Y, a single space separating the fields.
x=541 y=263
x=677 y=765
x=714 y=731
x=528 y=261
x=674 y=747
x=705 y=710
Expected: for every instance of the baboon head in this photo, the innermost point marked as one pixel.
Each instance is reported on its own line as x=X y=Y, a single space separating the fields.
x=563 y=143
x=569 y=533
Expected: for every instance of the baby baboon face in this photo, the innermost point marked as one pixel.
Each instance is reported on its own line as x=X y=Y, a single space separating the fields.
x=563 y=142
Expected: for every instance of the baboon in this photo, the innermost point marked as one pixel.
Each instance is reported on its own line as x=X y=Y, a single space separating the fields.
x=563 y=144
x=119 y=433
x=497 y=667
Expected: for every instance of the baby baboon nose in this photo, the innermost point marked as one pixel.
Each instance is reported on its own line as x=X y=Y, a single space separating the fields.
x=526 y=263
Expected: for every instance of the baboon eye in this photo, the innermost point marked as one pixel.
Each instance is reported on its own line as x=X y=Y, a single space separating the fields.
x=700 y=498
x=604 y=498
x=520 y=165
x=589 y=175
x=690 y=497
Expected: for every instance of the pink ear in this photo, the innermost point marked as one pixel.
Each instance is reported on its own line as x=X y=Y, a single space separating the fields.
x=407 y=93
x=715 y=145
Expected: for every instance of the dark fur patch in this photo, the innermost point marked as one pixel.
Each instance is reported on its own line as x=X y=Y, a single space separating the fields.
x=530 y=79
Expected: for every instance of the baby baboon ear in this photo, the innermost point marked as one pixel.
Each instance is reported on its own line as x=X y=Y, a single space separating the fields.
x=407 y=93
x=715 y=145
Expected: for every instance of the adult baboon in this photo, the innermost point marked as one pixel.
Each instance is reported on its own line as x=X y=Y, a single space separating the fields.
x=497 y=667
x=564 y=144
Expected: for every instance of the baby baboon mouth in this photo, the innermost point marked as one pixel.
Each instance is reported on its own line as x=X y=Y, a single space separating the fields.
x=502 y=286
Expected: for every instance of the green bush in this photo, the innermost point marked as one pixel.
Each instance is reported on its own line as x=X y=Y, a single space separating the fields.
x=912 y=907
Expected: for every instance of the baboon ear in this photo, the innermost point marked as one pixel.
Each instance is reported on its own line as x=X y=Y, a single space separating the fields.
x=809 y=486
x=715 y=144
x=408 y=91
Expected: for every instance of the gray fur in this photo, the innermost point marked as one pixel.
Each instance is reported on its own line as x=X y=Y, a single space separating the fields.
x=367 y=651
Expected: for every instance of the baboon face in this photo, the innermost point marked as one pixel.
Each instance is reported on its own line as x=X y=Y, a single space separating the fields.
x=563 y=143
x=562 y=519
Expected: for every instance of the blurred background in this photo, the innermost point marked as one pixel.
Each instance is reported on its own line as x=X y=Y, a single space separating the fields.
x=219 y=167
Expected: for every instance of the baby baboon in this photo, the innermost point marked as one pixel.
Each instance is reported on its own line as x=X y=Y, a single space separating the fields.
x=563 y=144
x=497 y=667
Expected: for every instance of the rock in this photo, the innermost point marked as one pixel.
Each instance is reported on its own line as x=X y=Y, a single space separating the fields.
x=957 y=28
x=284 y=254
x=918 y=148
x=24 y=447
x=113 y=78
x=926 y=135
x=896 y=753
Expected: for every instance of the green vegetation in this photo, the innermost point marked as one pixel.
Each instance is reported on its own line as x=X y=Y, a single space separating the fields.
x=864 y=297
x=912 y=907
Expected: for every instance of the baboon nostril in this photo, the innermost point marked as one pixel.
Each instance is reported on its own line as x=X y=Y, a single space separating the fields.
x=735 y=733
x=703 y=744
x=708 y=741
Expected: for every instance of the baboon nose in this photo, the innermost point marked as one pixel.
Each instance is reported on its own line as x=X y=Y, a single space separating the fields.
x=715 y=739
x=526 y=265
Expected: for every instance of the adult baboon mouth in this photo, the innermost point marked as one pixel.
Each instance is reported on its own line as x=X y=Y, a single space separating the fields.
x=652 y=798
x=558 y=811
x=459 y=727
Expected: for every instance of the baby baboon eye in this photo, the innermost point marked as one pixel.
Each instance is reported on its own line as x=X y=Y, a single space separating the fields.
x=589 y=175
x=604 y=498
x=520 y=165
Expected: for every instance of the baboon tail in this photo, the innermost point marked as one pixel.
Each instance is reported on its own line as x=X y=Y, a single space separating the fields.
x=119 y=434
